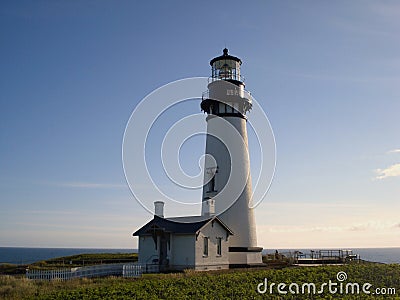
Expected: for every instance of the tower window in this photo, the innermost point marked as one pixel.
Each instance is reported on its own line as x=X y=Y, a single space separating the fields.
x=212 y=184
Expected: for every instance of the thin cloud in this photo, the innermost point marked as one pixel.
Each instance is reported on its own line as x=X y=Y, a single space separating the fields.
x=73 y=227
x=332 y=77
x=367 y=226
x=357 y=228
x=52 y=212
x=88 y=185
x=351 y=26
x=394 y=151
x=392 y=171
x=386 y=10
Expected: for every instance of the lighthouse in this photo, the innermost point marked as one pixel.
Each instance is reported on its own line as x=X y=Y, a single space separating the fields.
x=227 y=189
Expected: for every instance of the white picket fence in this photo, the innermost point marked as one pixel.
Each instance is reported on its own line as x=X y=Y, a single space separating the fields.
x=132 y=270
x=126 y=270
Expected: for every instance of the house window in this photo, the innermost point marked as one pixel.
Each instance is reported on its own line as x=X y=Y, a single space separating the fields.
x=205 y=249
x=219 y=246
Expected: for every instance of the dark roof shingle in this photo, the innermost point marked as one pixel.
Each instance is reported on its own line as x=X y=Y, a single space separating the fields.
x=173 y=225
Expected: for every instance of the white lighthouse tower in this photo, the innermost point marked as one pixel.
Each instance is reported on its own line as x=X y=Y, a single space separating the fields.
x=227 y=190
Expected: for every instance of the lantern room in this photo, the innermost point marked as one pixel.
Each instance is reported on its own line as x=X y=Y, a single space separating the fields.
x=226 y=67
x=226 y=95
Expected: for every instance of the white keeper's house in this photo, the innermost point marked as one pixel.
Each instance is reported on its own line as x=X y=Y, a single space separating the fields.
x=184 y=242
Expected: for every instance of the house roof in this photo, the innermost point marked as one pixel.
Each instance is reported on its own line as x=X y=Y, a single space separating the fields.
x=188 y=225
x=188 y=219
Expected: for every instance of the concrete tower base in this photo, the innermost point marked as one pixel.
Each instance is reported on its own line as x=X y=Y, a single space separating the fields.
x=245 y=257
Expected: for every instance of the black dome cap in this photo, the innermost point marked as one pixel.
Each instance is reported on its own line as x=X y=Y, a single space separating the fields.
x=225 y=55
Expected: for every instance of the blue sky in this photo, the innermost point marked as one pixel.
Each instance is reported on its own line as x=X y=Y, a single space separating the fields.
x=325 y=72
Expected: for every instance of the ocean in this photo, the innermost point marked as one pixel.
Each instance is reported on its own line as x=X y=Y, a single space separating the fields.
x=21 y=255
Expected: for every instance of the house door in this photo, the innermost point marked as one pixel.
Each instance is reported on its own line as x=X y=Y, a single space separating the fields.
x=163 y=250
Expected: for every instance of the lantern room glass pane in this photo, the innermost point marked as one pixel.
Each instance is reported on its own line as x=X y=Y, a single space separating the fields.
x=229 y=108
x=221 y=108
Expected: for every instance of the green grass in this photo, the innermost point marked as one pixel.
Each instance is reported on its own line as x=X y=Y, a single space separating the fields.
x=232 y=284
x=87 y=259
x=71 y=262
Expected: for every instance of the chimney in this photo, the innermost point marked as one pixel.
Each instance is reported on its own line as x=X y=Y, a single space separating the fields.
x=159 y=209
x=208 y=207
